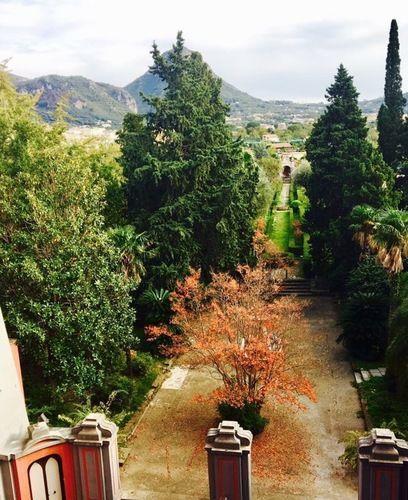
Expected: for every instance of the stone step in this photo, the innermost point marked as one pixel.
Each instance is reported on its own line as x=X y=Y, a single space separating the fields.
x=290 y=287
x=300 y=287
x=296 y=280
x=295 y=283
x=309 y=293
x=295 y=287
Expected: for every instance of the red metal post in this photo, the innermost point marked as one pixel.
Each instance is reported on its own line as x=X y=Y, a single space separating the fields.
x=383 y=467
x=229 y=461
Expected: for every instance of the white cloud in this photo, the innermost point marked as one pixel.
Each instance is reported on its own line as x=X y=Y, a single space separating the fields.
x=270 y=49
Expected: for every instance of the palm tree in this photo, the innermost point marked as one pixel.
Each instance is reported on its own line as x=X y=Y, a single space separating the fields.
x=363 y=223
x=384 y=232
x=390 y=239
x=134 y=248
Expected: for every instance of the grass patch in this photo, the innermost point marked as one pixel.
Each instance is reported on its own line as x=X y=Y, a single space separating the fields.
x=384 y=408
x=279 y=230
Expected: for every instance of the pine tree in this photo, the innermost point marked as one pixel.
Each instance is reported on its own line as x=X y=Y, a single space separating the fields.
x=191 y=187
x=346 y=171
x=390 y=115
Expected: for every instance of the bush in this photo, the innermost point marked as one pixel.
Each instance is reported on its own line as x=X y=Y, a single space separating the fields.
x=295 y=205
x=118 y=397
x=248 y=417
x=156 y=305
x=349 y=458
x=397 y=352
x=131 y=391
x=142 y=364
x=384 y=408
x=364 y=315
x=264 y=193
x=302 y=174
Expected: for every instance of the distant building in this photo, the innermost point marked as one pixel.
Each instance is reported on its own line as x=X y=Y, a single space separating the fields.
x=282 y=147
x=298 y=155
x=270 y=138
x=282 y=126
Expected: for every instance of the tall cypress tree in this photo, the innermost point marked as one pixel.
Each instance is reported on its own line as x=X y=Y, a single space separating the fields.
x=390 y=115
x=191 y=187
x=346 y=171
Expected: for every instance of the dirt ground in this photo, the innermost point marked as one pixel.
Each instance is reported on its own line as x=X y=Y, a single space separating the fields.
x=296 y=457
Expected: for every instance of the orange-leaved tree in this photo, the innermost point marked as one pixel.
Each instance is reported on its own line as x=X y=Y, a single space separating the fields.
x=231 y=326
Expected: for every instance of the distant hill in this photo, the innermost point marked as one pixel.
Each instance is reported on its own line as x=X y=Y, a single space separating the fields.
x=243 y=106
x=89 y=102
x=16 y=79
x=92 y=103
x=240 y=103
x=373 y=105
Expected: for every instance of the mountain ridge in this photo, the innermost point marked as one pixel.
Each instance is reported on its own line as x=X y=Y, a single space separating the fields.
x=97 y=103
x=89 y=102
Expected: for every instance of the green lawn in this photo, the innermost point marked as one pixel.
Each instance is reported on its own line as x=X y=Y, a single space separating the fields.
x=279 y=229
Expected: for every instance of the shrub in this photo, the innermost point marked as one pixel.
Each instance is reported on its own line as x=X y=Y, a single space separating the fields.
x=349 y=458
x=397 y=352
x=130 y=391
x=302 y=175
x=142 y=364
x=118 y=397
x=156 y=303
x=364 y=316
x=295 y=205
x=384 y=408
x=249 y=416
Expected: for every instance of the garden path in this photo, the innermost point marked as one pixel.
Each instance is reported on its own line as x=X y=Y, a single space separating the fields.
x=296 y=457
x=284 y=201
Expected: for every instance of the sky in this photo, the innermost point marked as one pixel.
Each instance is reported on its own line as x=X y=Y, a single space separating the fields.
x=270 y=49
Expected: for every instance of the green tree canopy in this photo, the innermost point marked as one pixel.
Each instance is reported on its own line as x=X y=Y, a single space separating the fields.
x=397 y=352
x=190 y=186
x=364 y=315
x=346 y=171
x=390 y=115
x=62 y=286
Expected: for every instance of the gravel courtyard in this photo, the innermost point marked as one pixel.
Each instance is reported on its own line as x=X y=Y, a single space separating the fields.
x=297 y=455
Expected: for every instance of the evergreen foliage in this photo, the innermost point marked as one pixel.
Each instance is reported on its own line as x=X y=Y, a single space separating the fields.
x=346 y=171
x=190 y=186
x=365 y=311
x=62 y=287
x=390 y=115
x=397 y=352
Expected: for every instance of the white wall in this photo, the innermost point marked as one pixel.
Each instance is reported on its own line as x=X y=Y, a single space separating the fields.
x=13 y=415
